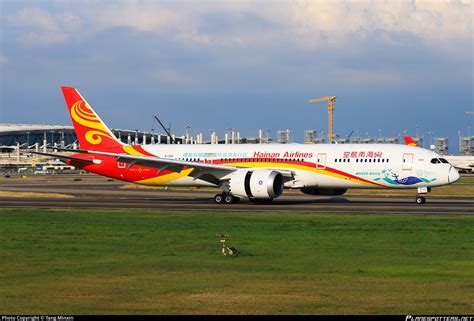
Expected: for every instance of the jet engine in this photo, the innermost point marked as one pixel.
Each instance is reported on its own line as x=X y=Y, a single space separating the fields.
x=256 y=184
x=323 y=191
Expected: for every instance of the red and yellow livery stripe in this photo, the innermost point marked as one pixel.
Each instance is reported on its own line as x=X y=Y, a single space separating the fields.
x=306 y=166
x=168 y=176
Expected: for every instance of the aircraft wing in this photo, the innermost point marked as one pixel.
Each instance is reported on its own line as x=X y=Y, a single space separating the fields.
x=211 y=173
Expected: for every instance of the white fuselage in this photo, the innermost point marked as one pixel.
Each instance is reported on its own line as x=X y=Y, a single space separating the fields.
x=321 y=165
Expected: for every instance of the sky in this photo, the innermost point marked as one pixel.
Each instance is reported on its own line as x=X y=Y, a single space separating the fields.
x=393 y=65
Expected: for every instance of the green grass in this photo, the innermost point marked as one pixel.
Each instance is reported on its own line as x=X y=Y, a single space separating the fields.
x=465 y=180
x=150 y=262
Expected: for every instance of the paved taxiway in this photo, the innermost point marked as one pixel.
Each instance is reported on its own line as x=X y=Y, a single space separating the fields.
x=97 y=192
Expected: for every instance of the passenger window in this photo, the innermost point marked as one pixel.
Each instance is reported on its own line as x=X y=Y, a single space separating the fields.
x=435 y=161
x=444 y=161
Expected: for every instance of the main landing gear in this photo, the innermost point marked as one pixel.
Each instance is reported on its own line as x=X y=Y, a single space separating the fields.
x=224 y=198
x=421 y=199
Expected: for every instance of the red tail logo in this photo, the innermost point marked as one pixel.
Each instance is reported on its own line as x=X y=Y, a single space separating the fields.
x=90 y=130
x=409 y=141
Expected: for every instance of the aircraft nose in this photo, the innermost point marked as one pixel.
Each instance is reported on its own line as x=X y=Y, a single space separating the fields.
x=453 y=175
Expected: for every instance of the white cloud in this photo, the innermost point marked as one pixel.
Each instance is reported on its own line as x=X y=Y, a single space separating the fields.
x=143 y=16
x=33 y=17
x=69 y=22
x=310 y=24
x=40 y=27
x=336 y=22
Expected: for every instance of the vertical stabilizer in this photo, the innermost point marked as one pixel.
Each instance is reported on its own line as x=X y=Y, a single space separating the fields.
x=409 y=141
x=90 y=130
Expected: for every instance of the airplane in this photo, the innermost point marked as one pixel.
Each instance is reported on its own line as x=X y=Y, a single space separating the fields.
x=461 y=163
x=258 y=172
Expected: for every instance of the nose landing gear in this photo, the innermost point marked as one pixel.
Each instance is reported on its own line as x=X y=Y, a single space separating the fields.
x=421 y=199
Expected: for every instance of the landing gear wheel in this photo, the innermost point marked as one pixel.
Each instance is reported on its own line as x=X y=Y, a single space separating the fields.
x=229 y=199
x=420 y=200
x=219 y=198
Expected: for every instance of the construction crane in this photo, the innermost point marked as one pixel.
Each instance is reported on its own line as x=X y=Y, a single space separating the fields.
x=330 y=100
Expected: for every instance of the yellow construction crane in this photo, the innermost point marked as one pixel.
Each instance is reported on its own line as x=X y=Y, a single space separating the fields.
x=330 y=100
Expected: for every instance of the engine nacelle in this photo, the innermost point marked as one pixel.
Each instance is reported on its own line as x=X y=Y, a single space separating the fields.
x=260 y=183
x=323 y=191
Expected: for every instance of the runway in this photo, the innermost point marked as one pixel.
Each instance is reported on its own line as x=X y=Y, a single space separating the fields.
x=92 y=192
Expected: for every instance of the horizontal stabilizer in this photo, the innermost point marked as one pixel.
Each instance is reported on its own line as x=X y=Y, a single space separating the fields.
x=63 y=157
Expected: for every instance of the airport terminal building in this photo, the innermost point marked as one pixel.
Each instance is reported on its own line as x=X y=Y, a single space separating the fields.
x=31 y=136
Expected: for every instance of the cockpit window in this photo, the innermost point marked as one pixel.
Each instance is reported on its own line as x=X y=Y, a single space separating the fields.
x=435 y=161
x=443 y=161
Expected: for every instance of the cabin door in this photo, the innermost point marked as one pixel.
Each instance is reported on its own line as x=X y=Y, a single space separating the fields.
x=321 y=161
x=407 y=161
